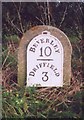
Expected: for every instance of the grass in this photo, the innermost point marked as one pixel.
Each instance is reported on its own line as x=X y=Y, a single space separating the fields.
x=33 y=103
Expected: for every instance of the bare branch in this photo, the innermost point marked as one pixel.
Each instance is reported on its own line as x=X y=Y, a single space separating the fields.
x=6 y=59
x=48 y=7
x=45 y=13
x=19 y=16
x=40 y=20
x=12 y=24
x=63 y=18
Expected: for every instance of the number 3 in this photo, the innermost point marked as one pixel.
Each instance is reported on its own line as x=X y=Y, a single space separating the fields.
x=45 y=78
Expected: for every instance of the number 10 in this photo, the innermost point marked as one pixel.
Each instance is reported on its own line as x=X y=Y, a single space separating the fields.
x=47 y=51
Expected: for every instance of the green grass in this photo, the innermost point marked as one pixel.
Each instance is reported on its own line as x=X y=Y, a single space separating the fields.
x=25 y=103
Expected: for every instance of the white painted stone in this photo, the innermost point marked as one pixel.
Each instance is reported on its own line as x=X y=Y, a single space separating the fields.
x=45 y=61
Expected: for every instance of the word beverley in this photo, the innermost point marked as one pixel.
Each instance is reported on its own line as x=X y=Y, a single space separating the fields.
x=42 y=41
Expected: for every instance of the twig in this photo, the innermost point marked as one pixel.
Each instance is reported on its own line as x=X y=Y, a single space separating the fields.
x=48 y=8
x=40 y=20
x=12 y=24
x=19 y=16
x=6 y=59
x=45 y=13
x=63 y=17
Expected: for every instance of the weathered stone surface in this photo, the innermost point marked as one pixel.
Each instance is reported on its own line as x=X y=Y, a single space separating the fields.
x=22 y=52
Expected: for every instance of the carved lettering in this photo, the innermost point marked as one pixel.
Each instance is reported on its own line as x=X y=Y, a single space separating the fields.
x=32 y=49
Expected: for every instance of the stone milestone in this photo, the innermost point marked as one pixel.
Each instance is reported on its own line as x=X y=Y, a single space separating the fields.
x=44 y=58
